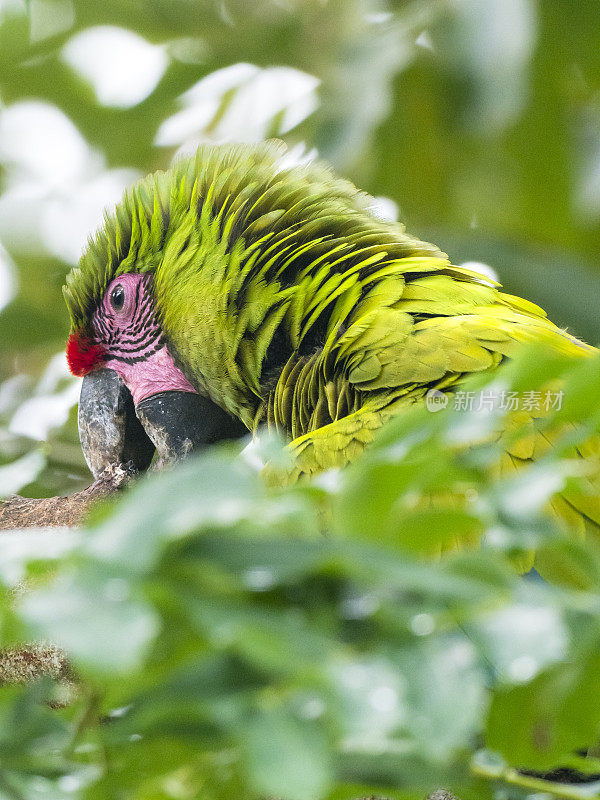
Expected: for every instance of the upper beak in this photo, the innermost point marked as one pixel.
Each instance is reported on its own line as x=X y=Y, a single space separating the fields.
x=174 y=423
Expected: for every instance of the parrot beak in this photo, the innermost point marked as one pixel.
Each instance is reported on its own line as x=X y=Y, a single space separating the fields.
x=109 y=431
x=174 y=423
x=179 y=423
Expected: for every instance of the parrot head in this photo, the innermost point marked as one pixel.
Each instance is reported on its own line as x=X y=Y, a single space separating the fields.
x=134 y=397
x=138 y=290
x=125 y=334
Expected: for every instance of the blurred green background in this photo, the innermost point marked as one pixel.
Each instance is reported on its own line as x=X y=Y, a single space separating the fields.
x=478 y=119
x=224 y=647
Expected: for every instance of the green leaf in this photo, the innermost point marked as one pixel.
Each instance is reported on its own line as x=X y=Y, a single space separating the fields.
x=286 y=755
x=92 y=614
x=540 y=723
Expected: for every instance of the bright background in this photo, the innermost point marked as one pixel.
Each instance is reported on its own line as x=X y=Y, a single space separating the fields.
x=476 y=121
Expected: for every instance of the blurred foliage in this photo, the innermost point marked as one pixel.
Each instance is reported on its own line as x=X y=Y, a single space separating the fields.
x=236 y=641
x=225 y=647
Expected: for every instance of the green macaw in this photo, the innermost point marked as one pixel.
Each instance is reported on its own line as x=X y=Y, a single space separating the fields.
x=234 y=292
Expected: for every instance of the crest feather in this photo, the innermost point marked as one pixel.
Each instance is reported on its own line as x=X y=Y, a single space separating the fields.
x=249 y=193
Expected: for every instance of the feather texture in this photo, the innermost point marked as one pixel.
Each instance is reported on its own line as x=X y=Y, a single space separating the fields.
x=285 y=300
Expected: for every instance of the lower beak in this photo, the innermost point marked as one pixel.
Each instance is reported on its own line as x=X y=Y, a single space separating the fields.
x=180 y=422
x=113 y=431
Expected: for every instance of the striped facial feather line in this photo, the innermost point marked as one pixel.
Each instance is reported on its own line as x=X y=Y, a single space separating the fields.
x=137 y=359
x=145 y=319
x=146 y=330
x=132 y=345
x=137 y=337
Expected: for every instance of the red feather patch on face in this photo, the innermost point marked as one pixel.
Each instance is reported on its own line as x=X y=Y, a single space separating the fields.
x=83 y=355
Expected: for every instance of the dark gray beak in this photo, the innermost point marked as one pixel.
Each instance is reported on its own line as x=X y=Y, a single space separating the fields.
x=113 y=431
x=179 y=423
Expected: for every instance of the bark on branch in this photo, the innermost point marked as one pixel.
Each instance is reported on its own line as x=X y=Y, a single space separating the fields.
x=50 y=512
x=29 y=662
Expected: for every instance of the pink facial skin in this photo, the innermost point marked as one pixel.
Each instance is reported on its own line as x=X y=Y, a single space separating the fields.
x=158 y=373
x=126 y=326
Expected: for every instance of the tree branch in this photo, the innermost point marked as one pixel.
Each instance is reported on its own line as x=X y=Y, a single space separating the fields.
x=50 y=512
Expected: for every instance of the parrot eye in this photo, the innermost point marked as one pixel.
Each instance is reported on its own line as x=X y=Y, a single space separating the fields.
x=117 y=297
